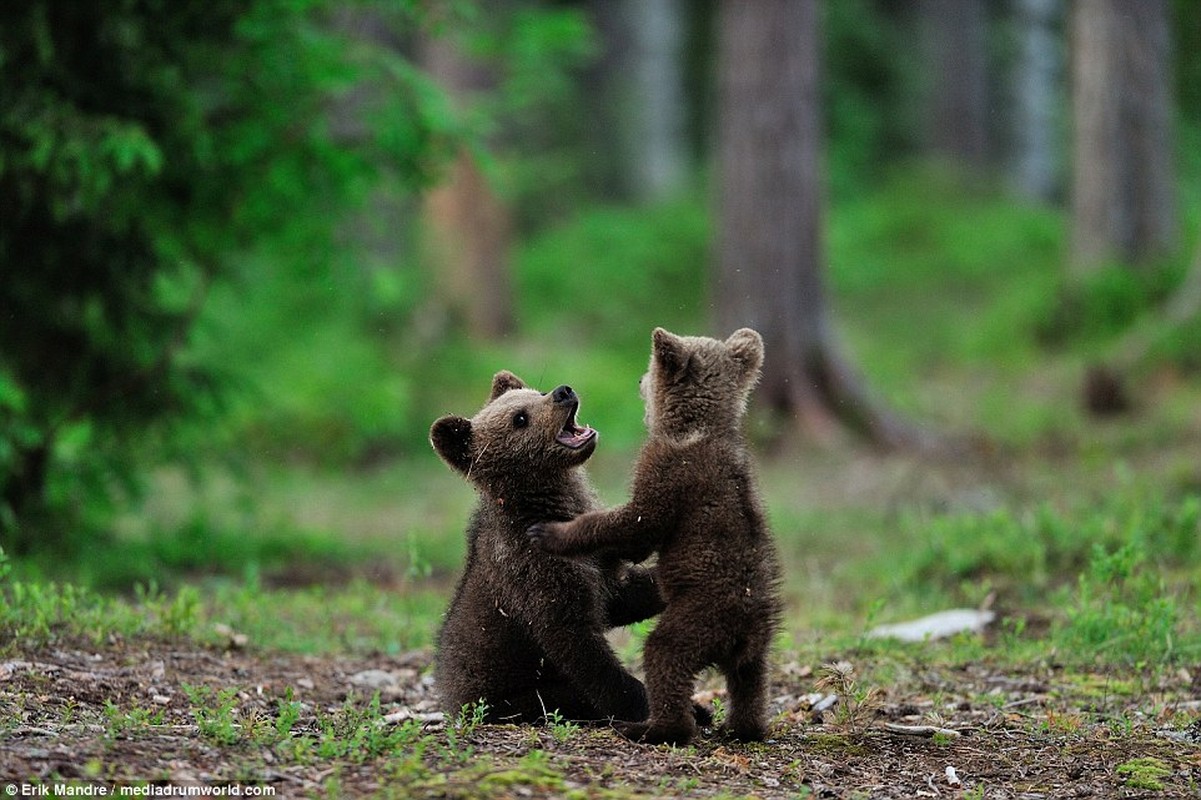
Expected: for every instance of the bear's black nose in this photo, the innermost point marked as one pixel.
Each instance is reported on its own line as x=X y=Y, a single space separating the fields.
x=563 y=394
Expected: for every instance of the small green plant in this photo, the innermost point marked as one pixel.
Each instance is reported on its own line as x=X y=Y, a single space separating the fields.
x=1120 y=610
x=120 y=721
x=857 y=706
x=177 y=616
x=361 y=733
x=215 y=713
x=287 y=715
x=1144 y=773
x=560 y=727
x=470 y=717
x=719 y=711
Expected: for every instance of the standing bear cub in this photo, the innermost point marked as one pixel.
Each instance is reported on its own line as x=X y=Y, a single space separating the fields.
x=694 y=499
x=525 y=632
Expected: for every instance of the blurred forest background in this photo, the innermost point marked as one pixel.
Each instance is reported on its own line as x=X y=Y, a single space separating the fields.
x=250 y=249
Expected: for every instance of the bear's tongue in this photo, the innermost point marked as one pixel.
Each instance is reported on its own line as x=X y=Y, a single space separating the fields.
x=573 y=435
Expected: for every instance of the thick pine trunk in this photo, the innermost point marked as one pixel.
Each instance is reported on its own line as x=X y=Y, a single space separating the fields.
x=1123 y=196
x=468 y=228
x=769 y=188
x=954 y=41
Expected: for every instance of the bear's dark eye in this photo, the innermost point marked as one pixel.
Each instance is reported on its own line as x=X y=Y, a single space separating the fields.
x=520 y=419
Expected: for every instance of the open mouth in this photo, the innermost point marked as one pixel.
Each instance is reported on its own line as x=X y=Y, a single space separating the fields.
x=573 y=434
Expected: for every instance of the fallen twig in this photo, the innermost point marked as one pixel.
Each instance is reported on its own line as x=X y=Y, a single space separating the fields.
x=921 y=730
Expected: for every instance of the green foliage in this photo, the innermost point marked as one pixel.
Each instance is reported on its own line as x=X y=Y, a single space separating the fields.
x=560 y=728
x=1144 y=773
x=612 y=274
x=1036 y=551
x=533 y=117
x=865 y=92
x=142 y=147
x=357 y=617
x=360 y=734
x=121 y=721
x=1103 y=303
x=215 y=713
x=965 y=269
x=1121 y=611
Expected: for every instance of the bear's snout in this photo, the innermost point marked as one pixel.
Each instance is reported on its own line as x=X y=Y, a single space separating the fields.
x=564 y=394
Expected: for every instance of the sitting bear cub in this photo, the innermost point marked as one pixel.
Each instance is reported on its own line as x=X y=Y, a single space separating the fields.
x=525 y=631
x=694 y=499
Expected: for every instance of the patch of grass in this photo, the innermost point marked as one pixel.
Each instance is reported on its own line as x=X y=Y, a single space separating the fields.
x=134 y=718
x=560 y=728
x=1120 y=612
x=360 y=734
x=1032 y=552
x=358 y=617
x=215 y=713
x=1144 y=773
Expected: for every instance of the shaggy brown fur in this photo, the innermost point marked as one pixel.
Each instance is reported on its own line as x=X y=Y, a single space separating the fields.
x=525 y=631
x=694 y=499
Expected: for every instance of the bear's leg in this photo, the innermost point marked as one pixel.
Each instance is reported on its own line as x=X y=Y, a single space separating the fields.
x=634 y=598
x=588 y=663
x=746 y=682
x=674 y=654
x=535 y=705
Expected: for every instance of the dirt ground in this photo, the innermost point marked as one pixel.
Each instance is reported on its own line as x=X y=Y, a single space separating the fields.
x=78 y=713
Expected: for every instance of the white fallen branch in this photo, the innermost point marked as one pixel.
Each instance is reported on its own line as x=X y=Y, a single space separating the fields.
x=921 y=730
x=430 y=718
x=936 y=626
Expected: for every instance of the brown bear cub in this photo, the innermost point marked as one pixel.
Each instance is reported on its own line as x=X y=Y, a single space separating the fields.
x=525 y=632
x=694 y=499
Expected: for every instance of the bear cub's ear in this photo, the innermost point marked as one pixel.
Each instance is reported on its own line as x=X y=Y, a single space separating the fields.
x=746 y=345
x=669 y=351
x=451 y=439
x=502 y=382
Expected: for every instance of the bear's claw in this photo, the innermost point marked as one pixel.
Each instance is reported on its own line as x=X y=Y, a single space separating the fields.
x=543 y=535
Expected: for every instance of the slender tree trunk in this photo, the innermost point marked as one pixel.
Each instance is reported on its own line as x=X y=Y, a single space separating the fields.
x=770 y=247
x=1037 y=82
x=954 y=41
x=1123 y=195
x=468 y=228
x=657 y=109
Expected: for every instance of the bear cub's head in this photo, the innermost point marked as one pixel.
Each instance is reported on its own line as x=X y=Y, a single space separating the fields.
x=519 y=434
x=699 y=384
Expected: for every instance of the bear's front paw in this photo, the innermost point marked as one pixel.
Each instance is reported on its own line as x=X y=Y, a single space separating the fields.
x=548 y=536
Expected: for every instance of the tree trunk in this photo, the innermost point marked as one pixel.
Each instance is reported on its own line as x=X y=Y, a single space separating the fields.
x=22 y=498
x=468 y=227
x=770 y=247
x=1123 y=196
x=1037 y=82
x=954 y=42
x=658 y=146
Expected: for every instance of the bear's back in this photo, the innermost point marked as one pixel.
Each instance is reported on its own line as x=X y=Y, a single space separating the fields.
x=720 y=542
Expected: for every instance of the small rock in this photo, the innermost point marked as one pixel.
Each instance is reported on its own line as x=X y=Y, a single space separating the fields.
x=234 y=640
x=374 y=679
x=825 y=703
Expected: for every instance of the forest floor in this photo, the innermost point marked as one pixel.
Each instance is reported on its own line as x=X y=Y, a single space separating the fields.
x=173 y=715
